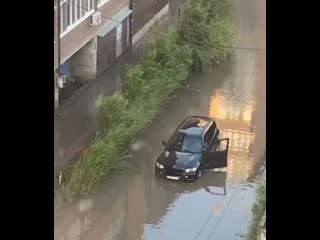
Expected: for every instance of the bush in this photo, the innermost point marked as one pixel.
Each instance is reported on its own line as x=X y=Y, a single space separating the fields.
x=208 y=32
x=219 y=9
x=134 y=84
x=258 y=211
x=112 y=111
x=165 y=64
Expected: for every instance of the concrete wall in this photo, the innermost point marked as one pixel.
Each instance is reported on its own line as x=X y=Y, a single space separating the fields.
x=84 y=62
x=137 y=36
x=144 y=11
x=83 y=33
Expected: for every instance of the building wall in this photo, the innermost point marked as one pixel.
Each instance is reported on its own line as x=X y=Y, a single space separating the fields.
x=144 y=11
x=107 y=48
x=83 y=33
x=84 y=62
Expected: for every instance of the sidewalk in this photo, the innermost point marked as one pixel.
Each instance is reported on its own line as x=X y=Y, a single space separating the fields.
x=75 y=126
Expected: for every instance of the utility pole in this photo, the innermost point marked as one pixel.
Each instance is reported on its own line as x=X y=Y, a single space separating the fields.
x=131 y=22
x=57 y=92
x=59 y=30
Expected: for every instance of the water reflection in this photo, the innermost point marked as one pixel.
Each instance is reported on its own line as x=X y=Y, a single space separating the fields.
x=234 y=119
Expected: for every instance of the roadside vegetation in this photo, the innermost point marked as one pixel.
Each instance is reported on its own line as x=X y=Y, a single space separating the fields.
x=258 y=210
x=203 y=38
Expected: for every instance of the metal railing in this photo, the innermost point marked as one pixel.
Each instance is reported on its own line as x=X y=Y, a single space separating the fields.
x=73 y=12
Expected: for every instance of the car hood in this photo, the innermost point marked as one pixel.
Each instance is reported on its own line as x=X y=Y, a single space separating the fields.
x=180 y=160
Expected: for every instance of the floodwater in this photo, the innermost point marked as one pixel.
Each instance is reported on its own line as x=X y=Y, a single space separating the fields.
x=133 y=204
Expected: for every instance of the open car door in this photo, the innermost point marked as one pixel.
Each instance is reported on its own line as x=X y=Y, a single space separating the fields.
x=217 y=155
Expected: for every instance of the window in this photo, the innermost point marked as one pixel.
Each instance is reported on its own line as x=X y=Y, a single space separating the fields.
x=73 y=12
x=210 y=134
x=183 y=142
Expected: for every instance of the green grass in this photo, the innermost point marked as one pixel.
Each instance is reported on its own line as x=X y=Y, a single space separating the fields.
x=258 y=209
x=168 y=62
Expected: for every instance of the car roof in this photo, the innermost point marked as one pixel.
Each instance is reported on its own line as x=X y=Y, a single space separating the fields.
x=195 y=125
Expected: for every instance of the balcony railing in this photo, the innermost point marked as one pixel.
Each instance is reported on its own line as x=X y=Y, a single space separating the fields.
x=73 y=12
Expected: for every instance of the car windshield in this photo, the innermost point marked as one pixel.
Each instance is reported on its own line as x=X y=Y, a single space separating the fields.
x=182 y=142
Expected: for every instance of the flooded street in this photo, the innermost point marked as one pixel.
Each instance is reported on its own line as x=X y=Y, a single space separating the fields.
x=133 y=204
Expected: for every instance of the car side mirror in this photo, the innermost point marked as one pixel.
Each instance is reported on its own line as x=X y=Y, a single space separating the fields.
x=164 y=143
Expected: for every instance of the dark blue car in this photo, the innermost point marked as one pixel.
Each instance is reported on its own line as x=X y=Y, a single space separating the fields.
x=194 y=146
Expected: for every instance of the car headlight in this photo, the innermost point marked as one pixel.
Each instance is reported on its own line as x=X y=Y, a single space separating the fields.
x=159 y=165
x=188 y=170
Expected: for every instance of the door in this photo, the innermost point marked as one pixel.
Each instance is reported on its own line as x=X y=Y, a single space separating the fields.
x=217 y=155
x=106 y=53
x=124 y=35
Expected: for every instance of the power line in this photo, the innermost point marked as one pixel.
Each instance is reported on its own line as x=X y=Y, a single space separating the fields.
x=211 y=45
x=224 y=210
x=209 y=217
x=214 y=46
x=231 y=47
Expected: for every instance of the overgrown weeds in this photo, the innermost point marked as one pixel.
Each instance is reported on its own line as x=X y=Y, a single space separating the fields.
x=259 y=207
x=258 y=211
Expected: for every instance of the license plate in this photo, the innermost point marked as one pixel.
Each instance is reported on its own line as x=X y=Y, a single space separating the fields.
x=173 y=178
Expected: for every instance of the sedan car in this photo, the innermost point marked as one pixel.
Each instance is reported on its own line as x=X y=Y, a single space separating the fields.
x=194 y=146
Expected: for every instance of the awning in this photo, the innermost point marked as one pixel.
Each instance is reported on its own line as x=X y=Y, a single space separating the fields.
x=116 y=20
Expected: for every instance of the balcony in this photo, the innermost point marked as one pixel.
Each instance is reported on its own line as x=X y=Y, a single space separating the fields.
x=73 y=12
